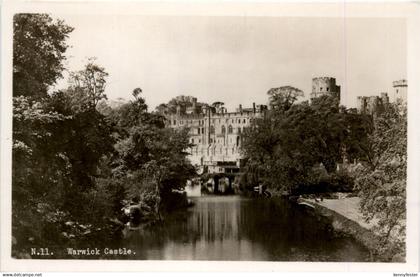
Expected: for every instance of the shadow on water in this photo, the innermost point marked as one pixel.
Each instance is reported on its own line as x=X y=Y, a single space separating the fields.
x=236 y=228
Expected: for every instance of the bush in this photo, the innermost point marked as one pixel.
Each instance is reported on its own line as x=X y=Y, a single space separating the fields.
x=322 y=182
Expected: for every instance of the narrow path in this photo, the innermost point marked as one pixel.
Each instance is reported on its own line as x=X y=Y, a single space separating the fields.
x=347 y=207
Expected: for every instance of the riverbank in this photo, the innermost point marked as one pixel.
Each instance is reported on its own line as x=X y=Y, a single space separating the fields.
x=346 y=218
x=236 y=228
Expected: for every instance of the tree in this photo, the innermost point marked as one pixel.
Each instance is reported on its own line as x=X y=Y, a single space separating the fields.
x=282 y=98
x=285 y=148
x=136 y=93
x=39 y=174
x=181 y=101
x=152 y=157
x=39 y=44
x=60 y=142
x=89 y=83
x=381 y=179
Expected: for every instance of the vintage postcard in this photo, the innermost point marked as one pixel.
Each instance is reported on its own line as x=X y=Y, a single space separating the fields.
x=209 y=136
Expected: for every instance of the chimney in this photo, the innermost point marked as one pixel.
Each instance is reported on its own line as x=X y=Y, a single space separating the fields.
x=253 y=107
x=194 y=105
x=240 y=108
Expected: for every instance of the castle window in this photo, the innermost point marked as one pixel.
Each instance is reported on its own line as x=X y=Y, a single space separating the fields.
x=328 y=89
x=192 y=140
x=237 y=141
x=198 y=129
x=244 y=120
x=211 y=129
x=239 y=130
x=223 y=129
x=230 y=129
x=174 y=122
x=320 y=89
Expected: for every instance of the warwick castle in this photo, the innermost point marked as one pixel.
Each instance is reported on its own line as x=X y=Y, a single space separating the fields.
x=216 y=134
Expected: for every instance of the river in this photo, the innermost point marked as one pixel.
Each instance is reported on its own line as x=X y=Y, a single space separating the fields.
x=236 y=228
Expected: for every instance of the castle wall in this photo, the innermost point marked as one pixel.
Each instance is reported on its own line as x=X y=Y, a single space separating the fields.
x=372 y=104
x=377 y=104
x=217 y=137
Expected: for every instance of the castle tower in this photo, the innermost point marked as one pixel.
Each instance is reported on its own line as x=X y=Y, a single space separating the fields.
x=324 y=86
x=400 y=90
x=384 y=98
x=361 y=104
x=372 y=105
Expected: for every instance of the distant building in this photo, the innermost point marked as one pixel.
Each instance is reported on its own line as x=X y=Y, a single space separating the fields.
x=215 y=133
x=400 y=91
x=372 y=105
x=324 y=86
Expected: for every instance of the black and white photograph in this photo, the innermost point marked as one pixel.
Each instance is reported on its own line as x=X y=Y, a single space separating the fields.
x=148 y=136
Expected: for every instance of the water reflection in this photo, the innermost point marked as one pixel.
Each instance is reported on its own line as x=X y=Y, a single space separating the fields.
x=235 y=228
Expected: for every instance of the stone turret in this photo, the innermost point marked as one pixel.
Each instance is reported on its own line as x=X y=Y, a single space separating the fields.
x=400 y=90
x=324 y=86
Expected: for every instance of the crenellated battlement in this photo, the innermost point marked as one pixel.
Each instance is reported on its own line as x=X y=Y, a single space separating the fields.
x=372 y=104
x=324 y=86
x=399 y=83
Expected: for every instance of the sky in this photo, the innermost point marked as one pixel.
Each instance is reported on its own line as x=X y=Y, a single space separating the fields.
x=237 y=59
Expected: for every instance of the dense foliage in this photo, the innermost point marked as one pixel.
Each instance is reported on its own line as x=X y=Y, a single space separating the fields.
x=296 y=147
x=381 y=180
x=39 y=44
x=318 y=147
x=75 y=168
